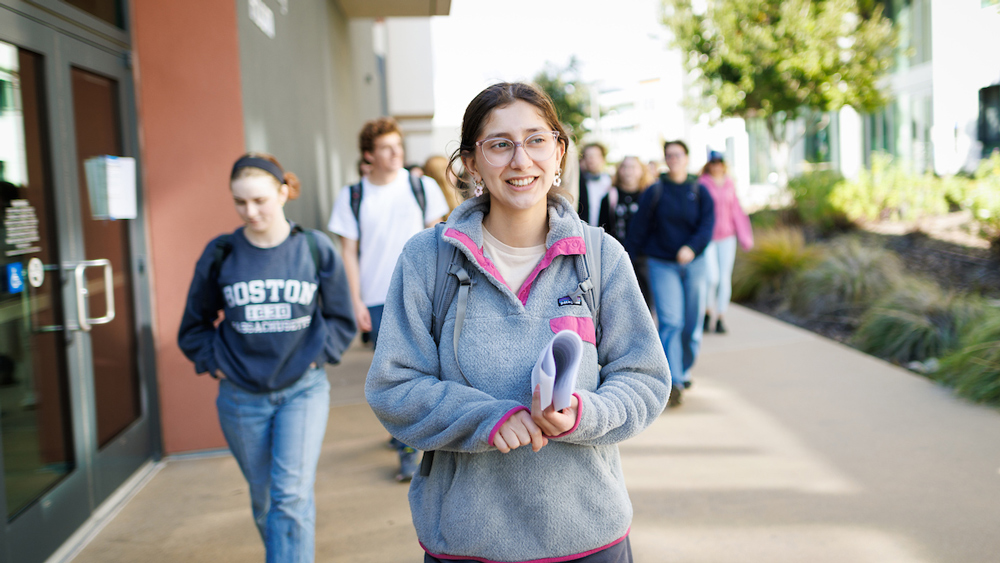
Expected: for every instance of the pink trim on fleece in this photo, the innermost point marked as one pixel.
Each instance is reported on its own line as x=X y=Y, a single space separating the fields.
x=510 y=413
x=544 y=560
x=579 y=413
x=478 y=253
x=584 y=326
x=566 y=246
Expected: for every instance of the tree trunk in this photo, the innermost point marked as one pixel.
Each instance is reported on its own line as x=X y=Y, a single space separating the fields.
x=780 y=147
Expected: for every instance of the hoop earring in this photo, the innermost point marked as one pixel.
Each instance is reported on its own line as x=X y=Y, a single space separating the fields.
x=480 y=187
x=558 y=180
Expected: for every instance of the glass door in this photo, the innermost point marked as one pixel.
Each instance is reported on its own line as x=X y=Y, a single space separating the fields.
x=75 y=412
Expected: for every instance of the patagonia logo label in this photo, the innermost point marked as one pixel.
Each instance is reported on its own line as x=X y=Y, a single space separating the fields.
x=569 y=300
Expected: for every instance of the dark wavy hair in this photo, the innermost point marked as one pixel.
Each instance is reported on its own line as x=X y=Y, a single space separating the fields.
x=479 y=110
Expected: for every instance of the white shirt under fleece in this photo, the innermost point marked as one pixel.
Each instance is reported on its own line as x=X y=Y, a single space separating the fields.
x=514 y=264
x=390 y=215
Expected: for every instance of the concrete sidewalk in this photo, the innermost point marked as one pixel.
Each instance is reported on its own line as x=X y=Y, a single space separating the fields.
x=789 y=448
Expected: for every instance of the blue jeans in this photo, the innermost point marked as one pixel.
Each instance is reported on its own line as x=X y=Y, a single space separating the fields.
x=679 y=296
x=720 y=256
x=276 y=439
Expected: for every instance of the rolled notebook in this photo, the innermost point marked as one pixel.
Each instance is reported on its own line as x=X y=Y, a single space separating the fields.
x=556 y=369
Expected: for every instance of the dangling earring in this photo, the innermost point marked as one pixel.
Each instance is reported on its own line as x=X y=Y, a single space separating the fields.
x=558 y=181
x=480 y=186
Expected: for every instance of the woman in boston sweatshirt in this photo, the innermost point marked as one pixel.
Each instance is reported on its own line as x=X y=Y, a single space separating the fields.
x=510 y=481
x=287 y=314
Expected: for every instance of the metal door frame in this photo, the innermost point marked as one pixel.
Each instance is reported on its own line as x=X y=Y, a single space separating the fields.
x=40 y=26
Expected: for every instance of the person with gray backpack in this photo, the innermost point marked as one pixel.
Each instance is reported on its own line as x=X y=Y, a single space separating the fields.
x=471 y=305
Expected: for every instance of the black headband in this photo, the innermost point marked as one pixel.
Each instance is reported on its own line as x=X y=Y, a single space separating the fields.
x=265 y=165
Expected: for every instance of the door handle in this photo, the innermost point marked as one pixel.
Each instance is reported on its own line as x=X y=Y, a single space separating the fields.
x=82 y=292
x=85 y=323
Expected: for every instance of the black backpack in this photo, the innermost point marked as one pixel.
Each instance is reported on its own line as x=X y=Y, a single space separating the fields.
x=358 y=191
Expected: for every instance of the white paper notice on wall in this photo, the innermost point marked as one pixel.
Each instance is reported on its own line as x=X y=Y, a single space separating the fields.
x=121 y=187
x=261 y=15
x=112 y=186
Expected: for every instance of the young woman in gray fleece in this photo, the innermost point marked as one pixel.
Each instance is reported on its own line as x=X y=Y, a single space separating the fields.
x=510 y=481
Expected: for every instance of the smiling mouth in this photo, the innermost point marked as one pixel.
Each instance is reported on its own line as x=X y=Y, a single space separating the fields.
x=522 y=182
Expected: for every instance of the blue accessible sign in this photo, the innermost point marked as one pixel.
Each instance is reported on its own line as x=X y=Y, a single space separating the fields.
x=15 y=277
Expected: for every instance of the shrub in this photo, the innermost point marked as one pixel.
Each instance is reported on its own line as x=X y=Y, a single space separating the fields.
x=984 y=198
x=849 y=279
x=777 y=255
x=811 y=193
x=974 y=369
x=889 y=191
x=765 y=219
x=917 y=322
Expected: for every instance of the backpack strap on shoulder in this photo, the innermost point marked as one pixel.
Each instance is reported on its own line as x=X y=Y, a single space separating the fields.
x=357 y=192
x=223 y=247
x=592 y=261
x=417 y=187
x=313 y=247
x=444 y=292
x=450 y=262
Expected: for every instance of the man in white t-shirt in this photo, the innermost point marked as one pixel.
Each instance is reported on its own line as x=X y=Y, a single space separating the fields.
x=377 y=216
x=388 y=214
x=594 y=182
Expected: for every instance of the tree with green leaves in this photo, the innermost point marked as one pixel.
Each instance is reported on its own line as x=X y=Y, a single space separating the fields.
x=569 y=94
x=774 y=60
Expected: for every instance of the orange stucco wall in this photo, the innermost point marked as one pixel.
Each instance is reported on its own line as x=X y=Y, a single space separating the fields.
x=190 y=130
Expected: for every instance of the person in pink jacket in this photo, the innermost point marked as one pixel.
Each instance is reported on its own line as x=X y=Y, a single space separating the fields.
x=732 y=225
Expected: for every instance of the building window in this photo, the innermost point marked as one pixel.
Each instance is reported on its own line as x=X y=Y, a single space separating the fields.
x=989 y=118
x=111 y=11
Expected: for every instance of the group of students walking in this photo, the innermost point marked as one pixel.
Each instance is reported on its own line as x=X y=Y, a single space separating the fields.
x=681 y=232
x=458 y=314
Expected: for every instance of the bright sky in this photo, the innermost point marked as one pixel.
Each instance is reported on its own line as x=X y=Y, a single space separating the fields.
x=480 y=43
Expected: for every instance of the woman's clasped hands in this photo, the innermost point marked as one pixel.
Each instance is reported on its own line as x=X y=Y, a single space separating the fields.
x=522 y=428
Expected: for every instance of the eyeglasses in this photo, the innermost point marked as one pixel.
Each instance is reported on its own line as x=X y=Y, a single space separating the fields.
x=499 y=151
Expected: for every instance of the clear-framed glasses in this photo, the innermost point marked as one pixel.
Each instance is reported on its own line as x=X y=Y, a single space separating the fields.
x=539 y=146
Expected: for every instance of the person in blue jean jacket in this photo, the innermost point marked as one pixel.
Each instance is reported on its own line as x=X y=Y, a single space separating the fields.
x=672 y=228
x=288 y=313
x=510 y=481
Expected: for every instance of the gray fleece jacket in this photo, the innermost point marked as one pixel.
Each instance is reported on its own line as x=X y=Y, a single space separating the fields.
x=569 y=498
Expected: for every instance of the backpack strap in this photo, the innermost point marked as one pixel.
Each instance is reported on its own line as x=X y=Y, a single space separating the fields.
x=592 y=262
x=223 y=247
x=357 y=191
x=313 y=247
x=417 y=187
x=450 y=262
x=444 y=292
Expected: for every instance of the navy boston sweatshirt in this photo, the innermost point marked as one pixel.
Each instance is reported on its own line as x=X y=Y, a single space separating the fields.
x=684 y=216
x=282 y=312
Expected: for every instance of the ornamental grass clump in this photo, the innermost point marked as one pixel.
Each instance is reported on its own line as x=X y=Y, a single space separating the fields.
x=974 y=369
x=764 y=271
x=916 y=322
x=811 y=192
x=849 y=279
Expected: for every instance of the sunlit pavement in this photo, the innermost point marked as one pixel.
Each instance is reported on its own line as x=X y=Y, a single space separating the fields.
x=789 y=448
